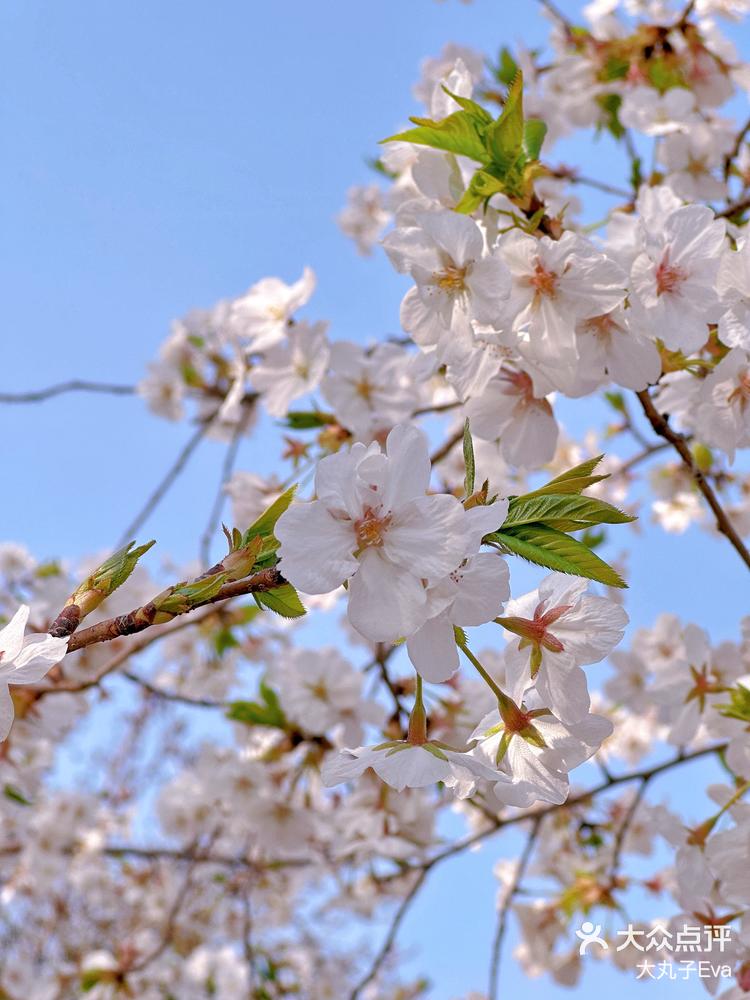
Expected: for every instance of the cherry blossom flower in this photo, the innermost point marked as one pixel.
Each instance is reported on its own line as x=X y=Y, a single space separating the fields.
x=559 y=628
x=734 y=289
x=556 y=284
x=457 y=280
x=291 y=369
x=536 y=750
x=673 y=282
x=470 y=595
x=372 y=390
x=652 y=113
x=23 y=660
x=260 y=317
x=373 y=525
x=401 y=764
x=509 y=410
x=723 y=415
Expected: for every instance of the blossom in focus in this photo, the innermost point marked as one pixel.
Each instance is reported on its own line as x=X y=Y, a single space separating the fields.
x=373 y=525
x=23 y=660
x=556 y=629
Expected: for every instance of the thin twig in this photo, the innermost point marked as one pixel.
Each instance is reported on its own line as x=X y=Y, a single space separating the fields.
x=623 y=829
x=163 y=488
x=227 y=468
x=563 y=174
x=734 y=152
x=158 y=632
x=390 y=938
x=142 y=618
x=74 y=385
x=182 y=699
x=502 y=918
x=662 y=427
x=446 y=448
x=558 y=15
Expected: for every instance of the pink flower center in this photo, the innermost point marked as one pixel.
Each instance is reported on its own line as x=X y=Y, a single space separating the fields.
x=370 y=528
x=543 y=282
x=739 y=395
x=668 y=277
x=537 y=629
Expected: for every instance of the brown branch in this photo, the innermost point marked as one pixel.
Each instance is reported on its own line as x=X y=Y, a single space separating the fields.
x=734 y=208
x=558 y=15
x=570 y=175
x=227 y=467
x=390 y=938
x=74 y=385
x=142 y=618
x=446 y=448
x=734 y=152
x=661 y=426
x=164 y=486
x=157 y=632
x=623 y=828
x=502 y=920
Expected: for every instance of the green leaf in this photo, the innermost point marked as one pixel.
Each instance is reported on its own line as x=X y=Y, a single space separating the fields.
x=610 y=105
x=480 y=115
x=551 y=548
x=252 y=713
x=615 y=68
x=507 y=68
x=738 y=706
x=469 y=464
x=575 y=480
x=504 y=138
x=305 y=420
x=552 y=507
x=458 y=133
x=534 y=132
x=481 y=187
x=15 y=795
x=267 y=520
x=283 y=600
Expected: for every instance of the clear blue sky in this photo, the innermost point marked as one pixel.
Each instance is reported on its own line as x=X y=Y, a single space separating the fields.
x=160 y=156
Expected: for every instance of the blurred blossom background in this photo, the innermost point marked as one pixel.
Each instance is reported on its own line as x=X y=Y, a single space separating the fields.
x=162 y=156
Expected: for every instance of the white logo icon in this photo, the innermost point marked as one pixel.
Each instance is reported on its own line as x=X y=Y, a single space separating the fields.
x=590 y=935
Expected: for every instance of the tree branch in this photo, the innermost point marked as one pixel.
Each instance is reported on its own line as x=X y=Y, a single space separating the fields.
x=390 y=938
x=662 y=427
x=74 y=385
x=502 y=920
x=142 y=618
x=166 y=483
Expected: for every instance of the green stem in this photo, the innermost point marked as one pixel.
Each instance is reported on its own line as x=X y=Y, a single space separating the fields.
x=497 y=691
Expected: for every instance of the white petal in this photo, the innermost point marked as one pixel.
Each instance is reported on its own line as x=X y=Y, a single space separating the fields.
x=433 y=651
x=11 y=635
x=386 y=603
x=316 y=549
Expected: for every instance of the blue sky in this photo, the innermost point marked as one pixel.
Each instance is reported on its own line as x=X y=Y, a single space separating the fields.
x=160 y=156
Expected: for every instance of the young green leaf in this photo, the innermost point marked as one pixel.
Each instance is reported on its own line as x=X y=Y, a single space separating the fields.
x=267 y=520
x=458 y=133
x=469 y=464
x=550 y=508
x=534 y=132
x=575 y=480
x=283 y=600
x=547 y=547
x=504 y=138
x=480 y=115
